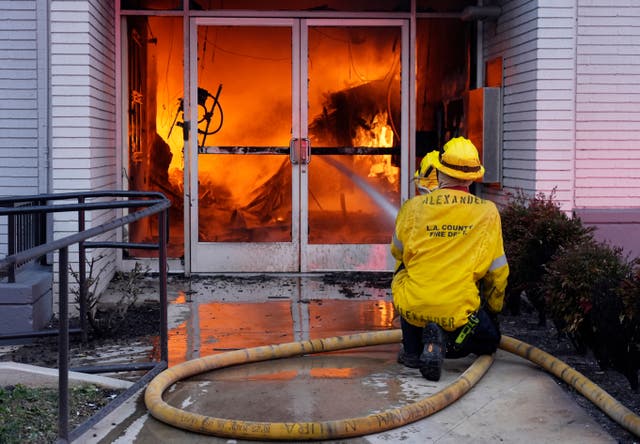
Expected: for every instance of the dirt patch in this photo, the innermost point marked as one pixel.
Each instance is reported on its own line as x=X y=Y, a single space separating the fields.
x=140 y=325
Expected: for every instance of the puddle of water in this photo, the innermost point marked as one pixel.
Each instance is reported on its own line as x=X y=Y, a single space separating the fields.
x=214 y=316
x=222 y=313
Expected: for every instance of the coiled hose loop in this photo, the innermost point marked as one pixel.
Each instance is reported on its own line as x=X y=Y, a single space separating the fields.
x=350 y=427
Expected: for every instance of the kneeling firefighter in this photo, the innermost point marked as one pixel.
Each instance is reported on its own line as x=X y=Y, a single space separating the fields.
x=452 y=271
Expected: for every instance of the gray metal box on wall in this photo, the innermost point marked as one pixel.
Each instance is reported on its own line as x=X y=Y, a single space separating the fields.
x=483 y=117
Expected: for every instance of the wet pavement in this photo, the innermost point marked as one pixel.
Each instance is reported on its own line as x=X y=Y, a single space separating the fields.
x=514 y=402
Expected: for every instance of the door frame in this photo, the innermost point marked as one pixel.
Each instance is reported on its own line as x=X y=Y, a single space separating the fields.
x=355 y=257
x=240 y=256
x=298 y=255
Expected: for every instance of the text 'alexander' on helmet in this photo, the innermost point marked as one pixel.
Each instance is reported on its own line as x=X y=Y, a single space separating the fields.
x=460 y=159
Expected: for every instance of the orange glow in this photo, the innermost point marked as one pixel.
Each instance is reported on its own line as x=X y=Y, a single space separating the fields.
x=222 y=326
x=181 y=299
x=155 y=64
x=226 y=327
x=379 y=135
x=384 y=314
x=493 y=72
x=169 y=92
x=179 y=349
x=178 y=344
x=245 y=96
x=251 y=201
x=340 y=317
x=273 y=376
x=352 y=100
x=335 y=373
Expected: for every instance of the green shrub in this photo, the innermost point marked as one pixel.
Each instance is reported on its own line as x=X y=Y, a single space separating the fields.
x=630 y=295
x=534 y=229
x=589 y=289
x=580 y=276
x=592 y=294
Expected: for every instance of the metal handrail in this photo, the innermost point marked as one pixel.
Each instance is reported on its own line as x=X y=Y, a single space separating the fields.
x=145 y=204
x=24 y=231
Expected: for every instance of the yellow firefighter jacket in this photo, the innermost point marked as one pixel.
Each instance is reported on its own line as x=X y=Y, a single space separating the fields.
x=450 y=244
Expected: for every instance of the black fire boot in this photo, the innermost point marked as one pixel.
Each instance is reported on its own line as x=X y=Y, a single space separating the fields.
x=411 y=360
x=434 y=351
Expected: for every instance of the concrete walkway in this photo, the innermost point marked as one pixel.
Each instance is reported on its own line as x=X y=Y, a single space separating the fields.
x=515 y=402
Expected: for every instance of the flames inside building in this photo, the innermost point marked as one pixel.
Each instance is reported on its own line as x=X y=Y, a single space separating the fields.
x=255 y=175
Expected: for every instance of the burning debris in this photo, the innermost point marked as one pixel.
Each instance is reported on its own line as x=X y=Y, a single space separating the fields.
x=244 y=175
x=263 y=214
x=352 y=117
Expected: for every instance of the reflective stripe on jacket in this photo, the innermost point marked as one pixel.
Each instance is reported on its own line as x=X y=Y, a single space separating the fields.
x=450 y=243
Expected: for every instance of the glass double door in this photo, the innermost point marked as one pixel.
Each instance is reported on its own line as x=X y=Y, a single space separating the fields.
x=298 y=138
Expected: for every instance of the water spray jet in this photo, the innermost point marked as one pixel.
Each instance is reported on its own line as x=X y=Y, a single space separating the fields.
x=390 y=209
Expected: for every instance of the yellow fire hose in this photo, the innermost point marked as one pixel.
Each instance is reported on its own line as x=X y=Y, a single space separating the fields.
x=365 y=425
x=587 y=388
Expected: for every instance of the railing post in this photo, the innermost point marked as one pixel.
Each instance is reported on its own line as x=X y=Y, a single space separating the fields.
x=82 y=275
x=42 y=230
x=11 y=244
x=63 y=347
x=162 y=268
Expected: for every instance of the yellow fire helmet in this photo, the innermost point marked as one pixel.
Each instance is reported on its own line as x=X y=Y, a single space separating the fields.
x=425 y=176
x=460 y=160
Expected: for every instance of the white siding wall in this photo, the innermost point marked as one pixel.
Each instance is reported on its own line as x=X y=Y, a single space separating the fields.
x=571 y=99
x=83 y=110
x=83 y=95
x=23 y=101
x=572 y=107
x=555 y=99
x=513 y=37
x=537 y=43
x=608 y=104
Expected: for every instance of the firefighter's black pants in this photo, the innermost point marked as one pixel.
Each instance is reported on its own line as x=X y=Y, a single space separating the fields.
x=484 y=340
